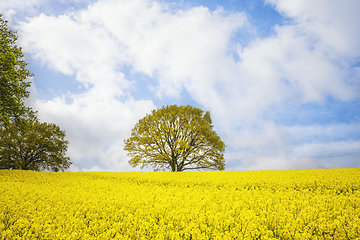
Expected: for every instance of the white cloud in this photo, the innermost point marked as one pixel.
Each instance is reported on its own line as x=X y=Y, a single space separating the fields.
x=73 y=168
x=298 y=64
x=329 y=150
x=295 y=147
x=278 y=162
x=305 y=61
x=92 y=169
x=324 y=133
x=177 y=48
x=334 y=24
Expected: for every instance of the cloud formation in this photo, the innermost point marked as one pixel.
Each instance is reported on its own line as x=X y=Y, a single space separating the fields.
x=96 y=43
x=308 y=60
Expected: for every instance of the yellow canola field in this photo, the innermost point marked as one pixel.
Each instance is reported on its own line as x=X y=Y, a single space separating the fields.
x=296 y=204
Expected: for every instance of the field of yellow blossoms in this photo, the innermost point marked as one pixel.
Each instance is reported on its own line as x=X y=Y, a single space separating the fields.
x=296 y=204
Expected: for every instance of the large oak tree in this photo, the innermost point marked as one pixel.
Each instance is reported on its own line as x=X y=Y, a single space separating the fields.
x=177 y=138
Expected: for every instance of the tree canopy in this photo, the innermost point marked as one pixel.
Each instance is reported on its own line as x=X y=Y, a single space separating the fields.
x=177 y=138
x=25 y=143
x=13 y=75
x=35 y=146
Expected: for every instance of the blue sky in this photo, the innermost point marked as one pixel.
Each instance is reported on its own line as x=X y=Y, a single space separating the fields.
x=280 y=78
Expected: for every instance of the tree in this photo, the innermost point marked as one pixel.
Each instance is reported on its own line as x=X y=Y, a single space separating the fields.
x=13 y=75
x=177 y=138
x=35 y=146
x=25 y=143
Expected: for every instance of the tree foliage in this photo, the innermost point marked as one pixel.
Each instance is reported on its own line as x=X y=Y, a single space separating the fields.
x=35 y=146
x=177 y=138
x=13 y=75
x=25 y=143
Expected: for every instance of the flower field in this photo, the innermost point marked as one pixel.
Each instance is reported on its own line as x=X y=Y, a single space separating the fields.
x=296 y=204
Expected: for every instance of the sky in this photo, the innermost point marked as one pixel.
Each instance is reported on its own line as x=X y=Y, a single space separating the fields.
x=280 y=78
